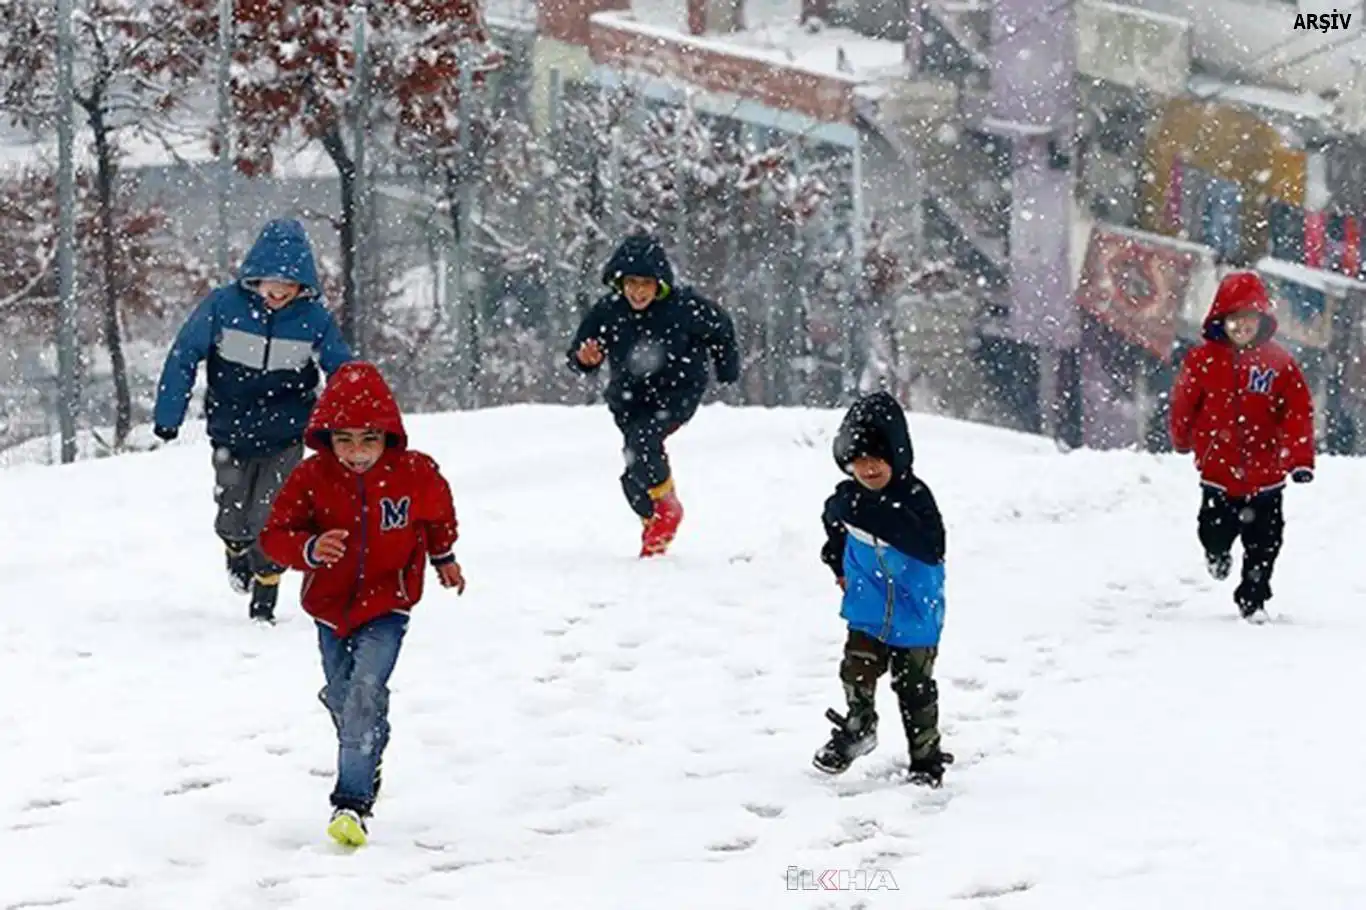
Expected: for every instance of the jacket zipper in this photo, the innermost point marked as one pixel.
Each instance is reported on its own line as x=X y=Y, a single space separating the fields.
x=360 y=557
x=270 y=335
x=1238 y=414
x=891 y=591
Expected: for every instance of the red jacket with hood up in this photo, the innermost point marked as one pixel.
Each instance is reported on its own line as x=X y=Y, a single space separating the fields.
x=398 y=513
x=1246 y=413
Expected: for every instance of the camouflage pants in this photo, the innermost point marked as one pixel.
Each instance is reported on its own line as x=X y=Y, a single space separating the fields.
x=866 y=660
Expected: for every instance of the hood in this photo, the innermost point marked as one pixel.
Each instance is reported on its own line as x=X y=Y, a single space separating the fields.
x=641 y=255
x=875 y=425
x=356 y=397
x=1239 y=291
x=281 y=251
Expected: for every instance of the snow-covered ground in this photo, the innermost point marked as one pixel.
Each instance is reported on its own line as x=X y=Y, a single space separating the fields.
x=582 y=730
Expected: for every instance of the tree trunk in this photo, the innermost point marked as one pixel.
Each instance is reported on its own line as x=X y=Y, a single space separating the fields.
x=335 y=146
x=113 y=340
x=469 y=302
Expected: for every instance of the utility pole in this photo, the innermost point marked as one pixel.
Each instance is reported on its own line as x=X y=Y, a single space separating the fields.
x=68 y=394
x=225 y=28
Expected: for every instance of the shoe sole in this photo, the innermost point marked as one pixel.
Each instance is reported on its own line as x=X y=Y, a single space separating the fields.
x=346 y=831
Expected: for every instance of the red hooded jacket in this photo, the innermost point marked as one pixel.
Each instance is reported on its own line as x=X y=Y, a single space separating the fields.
x=1246 y=413
x=398 y=512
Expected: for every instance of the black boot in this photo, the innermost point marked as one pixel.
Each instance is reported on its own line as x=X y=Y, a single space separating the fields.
x=265 y=591
x=1218 y=564
x=239 y=567
x=855 y=735
x=929 y=771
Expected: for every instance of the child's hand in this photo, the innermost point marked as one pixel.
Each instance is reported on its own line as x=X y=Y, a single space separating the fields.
x=1302 y=475
x=330 y=546
x=590 y=353
x=451 y=576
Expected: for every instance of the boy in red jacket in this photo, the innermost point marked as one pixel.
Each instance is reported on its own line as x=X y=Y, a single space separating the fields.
x=360 y=519
x=1241 y=404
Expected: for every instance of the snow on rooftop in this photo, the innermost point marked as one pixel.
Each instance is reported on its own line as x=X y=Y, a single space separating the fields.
x=835 y=53
x=1299 y=104
x=1318 y=279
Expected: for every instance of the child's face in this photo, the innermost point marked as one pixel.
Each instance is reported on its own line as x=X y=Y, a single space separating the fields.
x=358 y=449
x=278 y=294
x=873 y=473
x=1242 y=327
x=640 y=292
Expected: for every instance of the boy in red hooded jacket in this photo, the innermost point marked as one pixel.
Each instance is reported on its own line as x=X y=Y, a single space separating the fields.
x=360 y=518
x=1241 y=404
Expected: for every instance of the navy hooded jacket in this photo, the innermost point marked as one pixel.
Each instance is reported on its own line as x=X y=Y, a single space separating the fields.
x=262 y=364
x=888 y=545
x=658 y=357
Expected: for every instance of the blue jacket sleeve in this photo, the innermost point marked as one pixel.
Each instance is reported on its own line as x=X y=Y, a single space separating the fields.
x=332 y=349
x=191 y=346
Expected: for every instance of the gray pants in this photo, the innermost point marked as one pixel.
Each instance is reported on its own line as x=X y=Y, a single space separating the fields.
x=244 y=489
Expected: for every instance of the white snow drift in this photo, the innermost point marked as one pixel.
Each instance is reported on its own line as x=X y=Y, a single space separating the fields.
x=583 y=731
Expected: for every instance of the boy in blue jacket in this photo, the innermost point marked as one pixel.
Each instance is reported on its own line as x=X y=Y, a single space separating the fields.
x=263 y=337
x=885 y=544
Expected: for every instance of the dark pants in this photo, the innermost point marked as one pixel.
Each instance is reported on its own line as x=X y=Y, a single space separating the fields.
x=244 y=490
x=1258 y=520
x=865 y=661
x=647 y=464
x=357 y=669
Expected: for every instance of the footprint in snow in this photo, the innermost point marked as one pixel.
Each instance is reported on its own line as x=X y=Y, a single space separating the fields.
x=764 y=811
x=570 y=827
x=193 y=784
x=41 y=803
x=734 y=845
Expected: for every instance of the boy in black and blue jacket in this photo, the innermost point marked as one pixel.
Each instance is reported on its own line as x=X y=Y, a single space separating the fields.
x=885 y=544
x=263 y=338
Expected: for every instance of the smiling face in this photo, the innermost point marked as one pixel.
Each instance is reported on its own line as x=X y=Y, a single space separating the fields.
x=1242 y=327
x=359 y=449
x=640 y=292
x=278 y=294
x=873 y=473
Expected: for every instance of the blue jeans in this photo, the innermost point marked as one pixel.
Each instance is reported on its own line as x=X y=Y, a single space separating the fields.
x=357 y=669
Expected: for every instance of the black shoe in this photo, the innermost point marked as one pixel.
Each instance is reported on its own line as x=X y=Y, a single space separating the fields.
x=1219 y=564
x=264 y=596
x=929 y=771
x=854 y=735
x=239 y=569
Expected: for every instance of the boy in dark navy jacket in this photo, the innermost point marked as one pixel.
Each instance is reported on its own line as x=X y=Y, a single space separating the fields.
x=885 y=544
x=658 y=340
x=263 y=336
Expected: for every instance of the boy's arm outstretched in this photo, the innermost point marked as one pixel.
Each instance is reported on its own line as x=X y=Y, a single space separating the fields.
x=1296 y=408
x=291 y=531
x=590 y=329
x=1186 y=397
x=191 y=346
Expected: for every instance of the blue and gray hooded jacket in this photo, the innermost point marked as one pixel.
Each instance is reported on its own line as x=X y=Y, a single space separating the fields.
x=262 y=364
x=888 y=545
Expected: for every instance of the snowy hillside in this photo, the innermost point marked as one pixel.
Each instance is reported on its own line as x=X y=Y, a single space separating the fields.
x=585 y=732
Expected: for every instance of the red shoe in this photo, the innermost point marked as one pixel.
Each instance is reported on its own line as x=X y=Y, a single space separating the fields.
x=661 y=527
